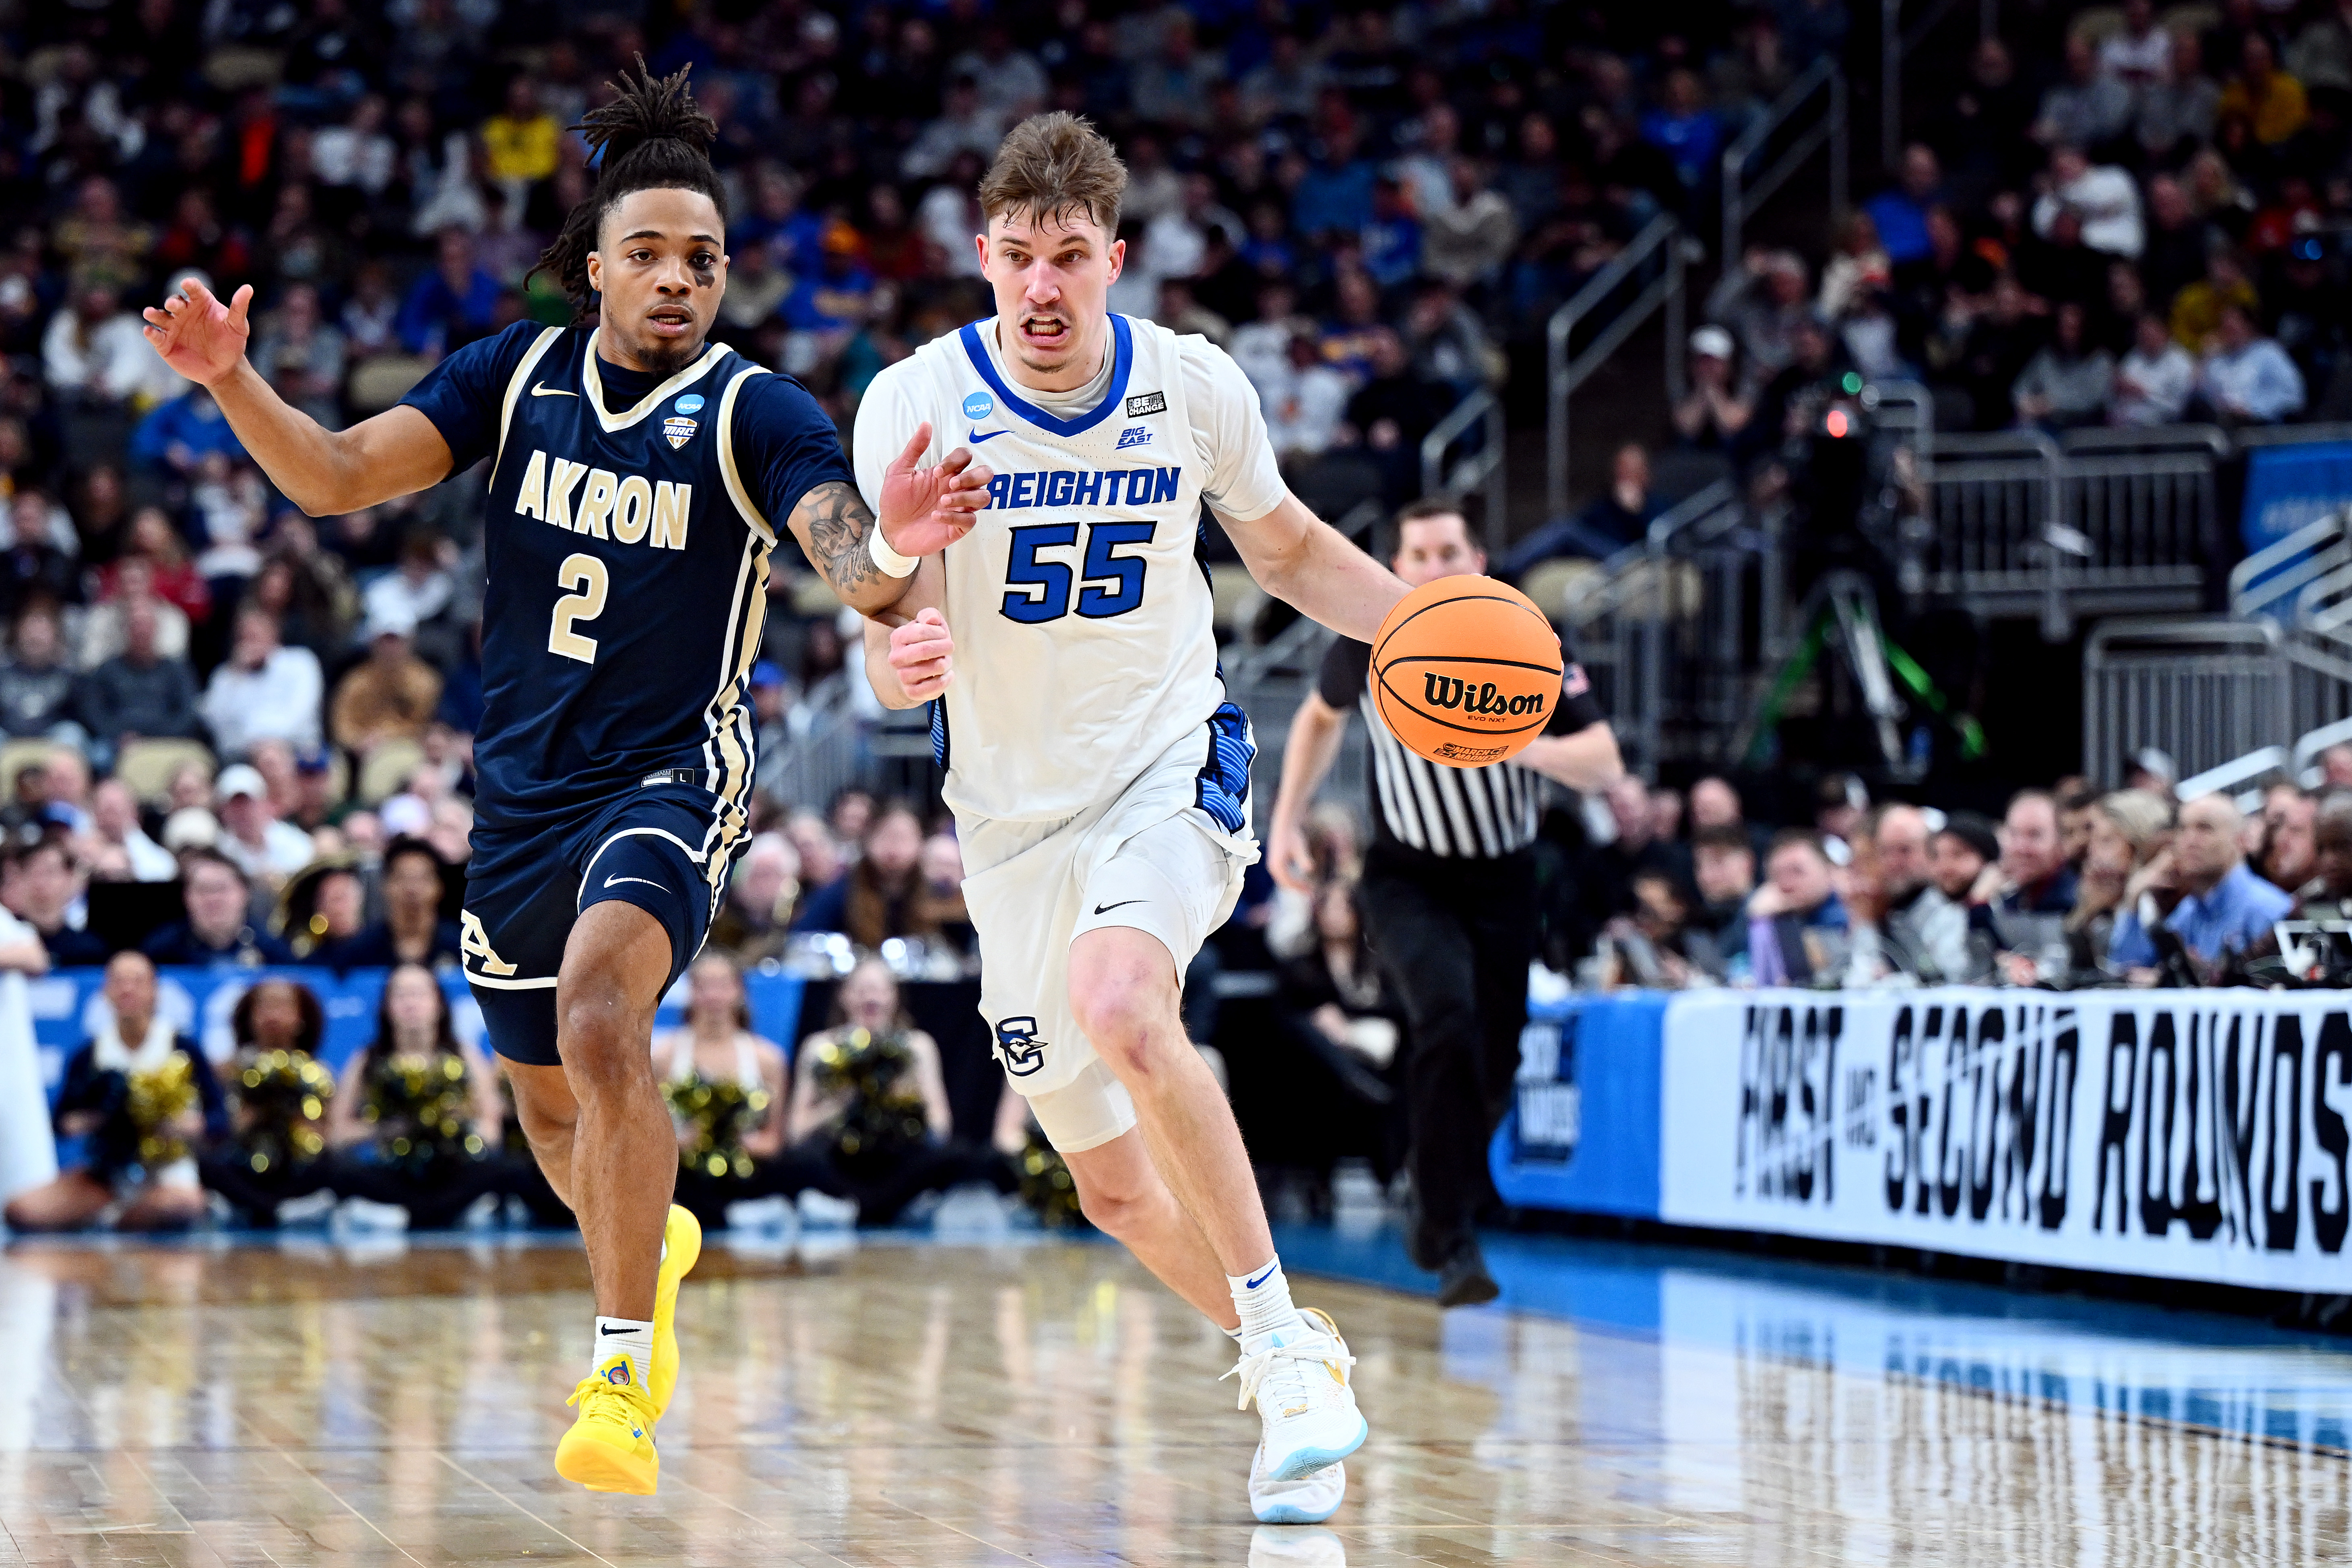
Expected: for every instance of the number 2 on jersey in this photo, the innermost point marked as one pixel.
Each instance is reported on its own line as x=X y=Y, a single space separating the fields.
x=585 y=575
x=1039 y=589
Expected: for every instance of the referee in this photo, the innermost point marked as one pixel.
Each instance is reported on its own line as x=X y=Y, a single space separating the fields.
x=1449 y=901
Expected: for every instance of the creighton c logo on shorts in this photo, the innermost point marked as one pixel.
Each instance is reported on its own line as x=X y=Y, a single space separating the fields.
x=1018 y=1046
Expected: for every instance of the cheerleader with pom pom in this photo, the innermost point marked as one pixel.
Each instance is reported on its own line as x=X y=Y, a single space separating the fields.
x=278 y=1148
x=147 y=1100
x=416 y=1118
x=726 y=1091
x=869 y=1117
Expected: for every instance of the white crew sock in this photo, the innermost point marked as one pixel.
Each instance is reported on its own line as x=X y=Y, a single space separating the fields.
x=624 y=1334
x=1262 y=1297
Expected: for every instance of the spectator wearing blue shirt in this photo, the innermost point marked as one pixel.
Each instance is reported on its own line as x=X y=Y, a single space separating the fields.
x=180 y=434
x=1901 y=214
x=1392 y=241
x=1686 y=129
x=2248 y=379
x=837 y=298
x=2223 y=906
x=451 y=305
x=1336 y=193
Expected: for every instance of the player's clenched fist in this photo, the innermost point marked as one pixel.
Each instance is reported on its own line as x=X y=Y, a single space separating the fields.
x=923 y=654
x=197 y=335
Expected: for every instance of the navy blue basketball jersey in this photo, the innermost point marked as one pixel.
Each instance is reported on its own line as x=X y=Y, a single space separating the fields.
x=627 y=556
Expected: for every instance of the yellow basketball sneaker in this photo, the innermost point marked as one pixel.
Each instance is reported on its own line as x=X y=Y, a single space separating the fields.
x=681 y=1246
x=610 y=1448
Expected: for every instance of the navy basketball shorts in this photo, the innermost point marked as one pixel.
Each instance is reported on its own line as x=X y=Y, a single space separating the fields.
x=664 y=846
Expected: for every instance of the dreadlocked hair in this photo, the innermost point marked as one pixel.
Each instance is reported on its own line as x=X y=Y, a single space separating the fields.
x=652 y=136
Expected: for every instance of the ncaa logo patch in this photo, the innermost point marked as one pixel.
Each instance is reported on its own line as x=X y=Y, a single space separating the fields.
x=679 y=430
x=1018 y=1046
x=690 y=404
x=978 y=406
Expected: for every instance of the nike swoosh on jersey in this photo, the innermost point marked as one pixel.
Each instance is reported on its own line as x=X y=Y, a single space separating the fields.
x=975 y=437
x=1105 y=909
x=540 y=390
x=646 y=881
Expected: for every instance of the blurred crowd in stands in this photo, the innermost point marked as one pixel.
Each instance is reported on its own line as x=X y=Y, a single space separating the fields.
x=1372 y=207
x=234 y=735
x=2072 y=887
x=2112 y=215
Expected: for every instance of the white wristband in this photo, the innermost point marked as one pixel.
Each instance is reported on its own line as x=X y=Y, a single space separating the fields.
x=893 y=564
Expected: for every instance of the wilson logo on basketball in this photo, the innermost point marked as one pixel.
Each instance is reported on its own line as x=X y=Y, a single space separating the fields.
x=1475 y=697
x=1466 y=671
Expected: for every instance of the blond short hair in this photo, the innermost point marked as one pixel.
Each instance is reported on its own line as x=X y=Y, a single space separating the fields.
x=2139 y=815
x=1050 y=164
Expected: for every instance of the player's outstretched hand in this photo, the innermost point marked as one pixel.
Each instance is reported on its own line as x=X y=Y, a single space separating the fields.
x=926 y=509
x=197 y=335
x=923 y=654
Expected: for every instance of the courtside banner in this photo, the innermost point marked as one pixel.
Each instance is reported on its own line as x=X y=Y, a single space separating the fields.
x=2186 y=1134
x=1583 y=1132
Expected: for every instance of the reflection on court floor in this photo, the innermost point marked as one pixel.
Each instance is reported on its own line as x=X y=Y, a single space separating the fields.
x=903 y=1402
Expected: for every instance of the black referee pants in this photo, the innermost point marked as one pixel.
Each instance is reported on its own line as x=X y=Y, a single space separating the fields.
x=1455 y=939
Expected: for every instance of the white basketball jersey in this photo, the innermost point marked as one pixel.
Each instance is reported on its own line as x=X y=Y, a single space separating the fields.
x=1080 y=605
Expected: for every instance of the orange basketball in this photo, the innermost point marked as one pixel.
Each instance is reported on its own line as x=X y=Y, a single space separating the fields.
x=1466 y=671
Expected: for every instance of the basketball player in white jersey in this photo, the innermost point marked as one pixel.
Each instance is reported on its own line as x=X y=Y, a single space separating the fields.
x=1098 y=774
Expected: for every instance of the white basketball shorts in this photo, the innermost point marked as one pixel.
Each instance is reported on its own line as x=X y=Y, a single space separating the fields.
x=1149 y=858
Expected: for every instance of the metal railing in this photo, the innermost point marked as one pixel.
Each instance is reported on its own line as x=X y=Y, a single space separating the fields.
x=829 y=756
x=1675 y=630
x=2233 y=777
x=2105 y=522
x=2271 y=580
x=1645 y=277
x=1270 y=682
x=2209 y=690
x=1824 y=81
x=2308 y=746
x=1484 y=470
x=2205 y=691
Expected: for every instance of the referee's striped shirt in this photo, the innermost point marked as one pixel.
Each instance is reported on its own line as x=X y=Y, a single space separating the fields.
x=1462 y=814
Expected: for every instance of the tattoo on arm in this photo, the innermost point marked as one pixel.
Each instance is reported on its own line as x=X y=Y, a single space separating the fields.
x=832 y=520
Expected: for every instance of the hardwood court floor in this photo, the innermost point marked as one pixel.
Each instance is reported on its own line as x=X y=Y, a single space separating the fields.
x=936 y=1406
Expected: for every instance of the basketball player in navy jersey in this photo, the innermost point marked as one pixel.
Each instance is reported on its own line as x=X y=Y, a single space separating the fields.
x=634 y=470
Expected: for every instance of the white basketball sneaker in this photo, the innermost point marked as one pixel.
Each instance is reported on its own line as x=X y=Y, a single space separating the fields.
x=1300 y=1383
x=1310 y=1499
x=1295 y=1548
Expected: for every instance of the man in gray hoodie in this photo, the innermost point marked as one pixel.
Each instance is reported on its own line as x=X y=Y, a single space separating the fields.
x=1922 y=933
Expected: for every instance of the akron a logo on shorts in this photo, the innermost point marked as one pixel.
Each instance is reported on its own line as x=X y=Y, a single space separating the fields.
x=1018 y=1046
